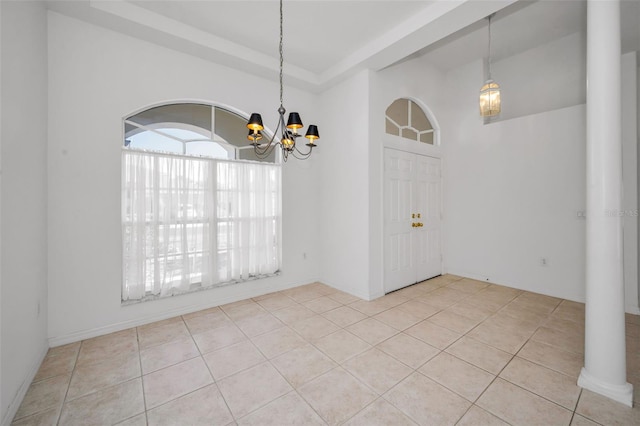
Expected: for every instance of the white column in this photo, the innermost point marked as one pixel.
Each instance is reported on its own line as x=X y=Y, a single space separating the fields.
x=604 y=369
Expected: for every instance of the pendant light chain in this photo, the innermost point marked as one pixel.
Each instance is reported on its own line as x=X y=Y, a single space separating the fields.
x=490 y=47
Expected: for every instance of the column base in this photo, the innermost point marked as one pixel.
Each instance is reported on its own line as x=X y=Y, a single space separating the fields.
x=620 y=393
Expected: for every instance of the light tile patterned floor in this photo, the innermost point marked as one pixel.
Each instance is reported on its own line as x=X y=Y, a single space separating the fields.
x=447 y=351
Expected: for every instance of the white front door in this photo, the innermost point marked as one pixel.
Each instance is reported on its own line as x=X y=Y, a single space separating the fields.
x=411 y=218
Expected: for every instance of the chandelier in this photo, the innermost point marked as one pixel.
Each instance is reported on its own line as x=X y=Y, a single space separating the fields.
x=288 y=133
x=490 y=92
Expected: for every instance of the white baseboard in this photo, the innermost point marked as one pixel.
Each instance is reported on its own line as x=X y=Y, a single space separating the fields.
x=112 y=328
x=350 y=290
x=24 y=387
x=470 y=275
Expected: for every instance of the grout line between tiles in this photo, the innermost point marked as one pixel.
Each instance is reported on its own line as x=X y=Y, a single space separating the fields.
x=64 y=400
x=144 y=396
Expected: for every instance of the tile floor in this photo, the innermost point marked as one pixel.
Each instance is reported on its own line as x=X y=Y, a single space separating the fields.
x=449 y=350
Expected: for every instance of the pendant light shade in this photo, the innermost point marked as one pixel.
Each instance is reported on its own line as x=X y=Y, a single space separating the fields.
x=490 y=91
x=490 y=99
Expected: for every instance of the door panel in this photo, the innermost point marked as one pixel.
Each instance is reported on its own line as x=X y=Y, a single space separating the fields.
x=428 y=178
x=412 y=187
x=399 y=168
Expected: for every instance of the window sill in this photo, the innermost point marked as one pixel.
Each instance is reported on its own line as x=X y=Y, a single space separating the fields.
x=194 y=289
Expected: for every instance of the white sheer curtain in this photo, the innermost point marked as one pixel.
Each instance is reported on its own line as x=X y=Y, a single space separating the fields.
x=189 y=221
x=248 y=218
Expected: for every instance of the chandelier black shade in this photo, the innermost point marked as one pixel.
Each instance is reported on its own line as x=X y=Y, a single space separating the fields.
x=255 y=122
x=294 y=122
x=312 y=134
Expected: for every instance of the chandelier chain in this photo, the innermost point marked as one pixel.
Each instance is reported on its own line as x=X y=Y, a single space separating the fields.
x=287 y=131
x=281 y=54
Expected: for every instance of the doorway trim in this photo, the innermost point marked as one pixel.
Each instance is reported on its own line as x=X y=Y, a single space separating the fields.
x=380 y=141
x=413 y=147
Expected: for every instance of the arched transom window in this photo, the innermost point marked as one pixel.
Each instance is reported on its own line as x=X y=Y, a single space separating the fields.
x=191 y=129
x=406 y=119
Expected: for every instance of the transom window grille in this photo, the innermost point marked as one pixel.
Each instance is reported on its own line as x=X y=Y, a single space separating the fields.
x=193 y=214
x=406 y=119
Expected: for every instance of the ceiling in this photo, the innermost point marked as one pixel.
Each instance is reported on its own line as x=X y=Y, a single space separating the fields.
x=317 y=33
x=325 y=41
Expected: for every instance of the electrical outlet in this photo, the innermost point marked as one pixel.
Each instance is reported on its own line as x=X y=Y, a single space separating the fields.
x=544 y=261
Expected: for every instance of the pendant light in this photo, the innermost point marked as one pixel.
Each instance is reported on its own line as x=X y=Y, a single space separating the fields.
x=288 y=133
x=490 y=92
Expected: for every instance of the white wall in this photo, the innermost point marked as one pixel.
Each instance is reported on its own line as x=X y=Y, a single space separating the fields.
x=544 y=78
x=512 y=192
x=345 y=184
x=513 y=187
x=96 y=77
x=23 y=193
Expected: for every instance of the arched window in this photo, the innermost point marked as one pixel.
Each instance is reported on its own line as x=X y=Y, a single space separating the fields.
x=406 y=119
x=191 y=129
x=193 y=214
